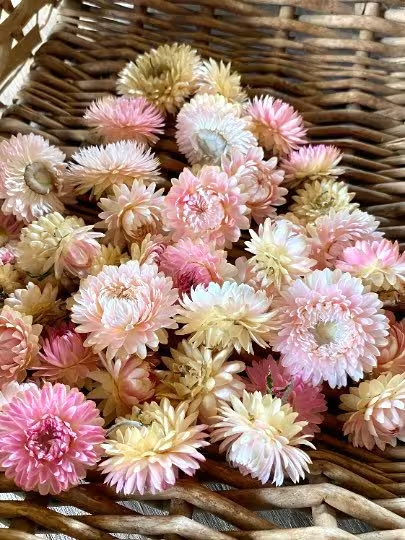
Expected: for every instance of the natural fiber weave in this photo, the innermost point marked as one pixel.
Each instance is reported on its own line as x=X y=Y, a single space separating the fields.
x=342 y=65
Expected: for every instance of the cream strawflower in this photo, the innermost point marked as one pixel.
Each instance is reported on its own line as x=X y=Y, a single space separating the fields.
x=217 y=78
x=164 y=76
x=123 y=385
x=108 y=255
x=223 y=315
x=329 y=327
x=147 y=454
x=98 y=168
x=42 y=304
x=201 y=377
x=209 y=127
x=310 y=163
x=260 y=436
x=125 y=309
x=62 y=244
x=392 y=356
x=378 y=263
x=317 y=198
x=128 y=209
x=376 y=412
x=32 y=177
x=280 y=254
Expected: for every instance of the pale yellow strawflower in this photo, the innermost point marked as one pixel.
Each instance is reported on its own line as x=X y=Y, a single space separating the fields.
x=217 y=78
x=201 y=377
x=318 y=198
x=43 y=305
x=164 y=76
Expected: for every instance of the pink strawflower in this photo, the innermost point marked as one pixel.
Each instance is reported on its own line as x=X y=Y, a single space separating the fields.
x=146 y=453
x=31 y=183
x=11 y=389
x=378 y=263
x=121 y=118
x=49 y=438
x=329 y=327
x=208 y=206
x=260 y=435
x=125 y=384
x=259 y=179
x=98 y=168
x=392 y=356
x=190 y=262
x=331 y=234
x=63 y=357
x=125 y=309
x=312 y=162
x=10 y=230
x=277 y=126
x=269 y=376
x=18 y=344
x=376 y=412
x=7 y=255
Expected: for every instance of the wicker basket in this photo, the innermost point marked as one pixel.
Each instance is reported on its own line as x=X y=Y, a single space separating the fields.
x=342 y=64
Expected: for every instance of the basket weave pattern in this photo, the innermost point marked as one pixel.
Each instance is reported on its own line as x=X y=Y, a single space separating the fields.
x=341 y=64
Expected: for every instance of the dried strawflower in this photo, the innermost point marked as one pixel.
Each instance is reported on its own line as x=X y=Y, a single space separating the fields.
x=280 y=254
x=49 y=438
x=130 y=119
x=329 y=328
x=277 y=126
x=209 y=127
x=376 y=412
x=332 y=233
x=190 y=262
x=150 y=249
x=108 y=255
x=208 y=206
x=201 y=377
x=59 y=244
x=217 y=78
x=147 y=454
x=125 y=309
x=223 y=315
x=312 y=162
x=128 y=209
x=270 y=377
x=42 y=304
x=63 y=356
x=10 y=390
x=392 y=355
x=317 y=198
x=98 y=168
x=164 y=76
x=261 y=436
x=378 y=263
x=259 y=179
x=125 y=384
x=8 y=255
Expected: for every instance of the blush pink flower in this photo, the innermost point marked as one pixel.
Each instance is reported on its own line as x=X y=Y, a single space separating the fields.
x=312 y=162
x=259 y=179
x=190 y=262
x=121 y=118
x=375 y=412
x=392 y=356
x=18 y=344
x=49 y=438
x=378 y=263
x=125 y=309
x=331 y=234
x=277 y=126
x=269 y=376
x=209 y=207
x=329 y=327
x=63 y=357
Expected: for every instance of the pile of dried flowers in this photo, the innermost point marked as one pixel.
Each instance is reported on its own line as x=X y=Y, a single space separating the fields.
x=131 y=344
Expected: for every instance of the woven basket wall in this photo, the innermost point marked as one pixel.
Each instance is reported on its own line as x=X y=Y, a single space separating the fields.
x=342 y=65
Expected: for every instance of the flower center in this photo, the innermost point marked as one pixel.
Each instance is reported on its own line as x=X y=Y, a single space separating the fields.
x=49 y=439
x=39 y=178
x=212 y=144
x=203 y=211
x=4 y=237
x=326 y=333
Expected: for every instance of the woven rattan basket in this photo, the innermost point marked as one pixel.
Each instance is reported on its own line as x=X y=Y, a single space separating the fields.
x=342 y=64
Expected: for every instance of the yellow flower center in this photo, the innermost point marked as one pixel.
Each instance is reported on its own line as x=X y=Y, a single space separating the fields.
x=325 y=333
x=39 y=178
